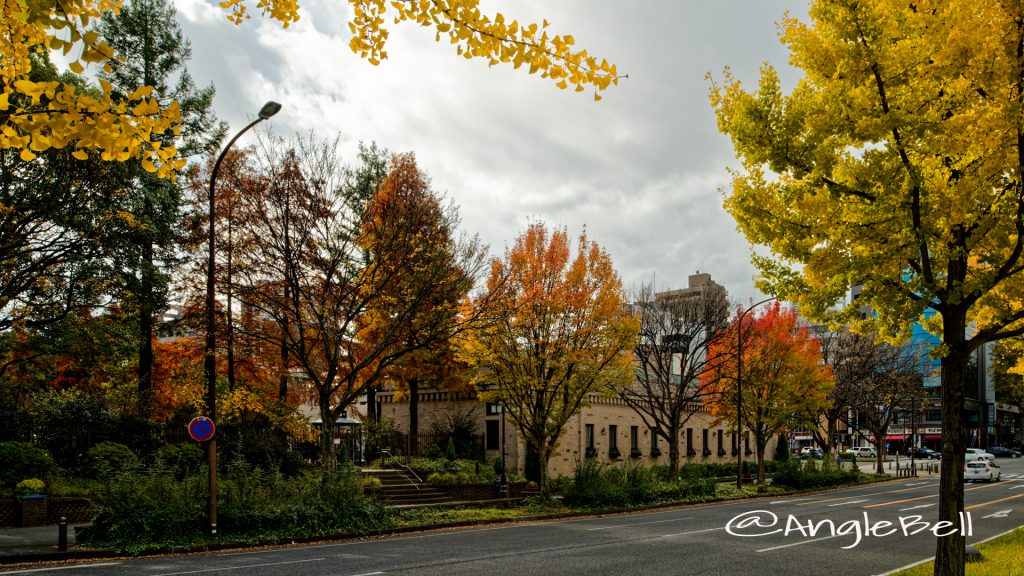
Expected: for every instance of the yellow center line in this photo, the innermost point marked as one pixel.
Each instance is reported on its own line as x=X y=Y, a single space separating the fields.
x=929 y=496
x=860 y=495
x=994 y=502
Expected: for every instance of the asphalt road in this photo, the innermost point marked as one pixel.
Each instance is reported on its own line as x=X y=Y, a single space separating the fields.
x=718 y=539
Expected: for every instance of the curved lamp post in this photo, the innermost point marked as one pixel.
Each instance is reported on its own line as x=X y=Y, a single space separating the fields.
x=740 y=446
x=210 y=357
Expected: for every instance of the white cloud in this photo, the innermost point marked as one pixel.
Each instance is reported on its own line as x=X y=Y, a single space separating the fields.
x=641 y=169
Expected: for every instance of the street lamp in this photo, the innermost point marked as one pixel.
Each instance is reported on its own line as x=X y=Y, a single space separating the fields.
x=739 y=392
x=210 y=358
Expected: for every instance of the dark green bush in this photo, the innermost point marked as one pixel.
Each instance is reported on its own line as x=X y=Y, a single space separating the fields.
x=180 y=460
x=782 y=448
x=108 y=459
x=135 y=512
x=22 y=460
x=796 y=474
x=146 y=511
x=595 y=484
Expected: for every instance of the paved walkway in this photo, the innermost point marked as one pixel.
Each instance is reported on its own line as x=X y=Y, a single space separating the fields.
x=29 y=544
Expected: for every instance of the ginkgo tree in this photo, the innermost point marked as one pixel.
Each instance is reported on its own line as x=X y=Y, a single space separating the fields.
x=36 y=116
x=896 y=162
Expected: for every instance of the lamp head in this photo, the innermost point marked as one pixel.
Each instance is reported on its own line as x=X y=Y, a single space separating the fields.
x=269 y=109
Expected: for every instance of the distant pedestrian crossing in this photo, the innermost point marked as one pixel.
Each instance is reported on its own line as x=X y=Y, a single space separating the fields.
x=1013 y=476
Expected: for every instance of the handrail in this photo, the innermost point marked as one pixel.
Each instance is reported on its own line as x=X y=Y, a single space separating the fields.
x=385 y=454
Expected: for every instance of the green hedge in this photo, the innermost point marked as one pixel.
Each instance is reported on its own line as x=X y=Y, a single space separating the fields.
x=137 y=512
x=597 y=485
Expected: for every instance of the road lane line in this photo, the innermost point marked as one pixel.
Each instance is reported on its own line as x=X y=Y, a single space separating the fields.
x=993 y=502
x=845 y=503
x=1017 y=487
x=692 y=532
x=788 y=501
x=870 y=494
x=242 y=567
x=639 y=524
x=916 y=507
x=924 y=497
x=916 y=484
x=801 y=542
x=61 y=568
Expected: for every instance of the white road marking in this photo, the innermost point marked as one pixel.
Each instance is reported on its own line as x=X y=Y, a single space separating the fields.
x=916 y=484
x=1017 y=487
x=639 y=524
x=788 y=501
x=916 y=507
x=692 y=532
x=1000 y=514
x=847 y=502
x=801 y=542
x=61 y=568
x=243 y=567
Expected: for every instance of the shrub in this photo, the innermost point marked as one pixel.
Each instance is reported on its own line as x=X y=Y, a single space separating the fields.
x=449 y=453
x=795 y=475
x=108 y=459
x=499 y=466
x=180 y=460
x=22 y=460
x=782 y=449
x=136 y=512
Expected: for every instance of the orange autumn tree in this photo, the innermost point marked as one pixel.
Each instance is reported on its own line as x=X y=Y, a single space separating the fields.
x=563 y=335
x=783 y=375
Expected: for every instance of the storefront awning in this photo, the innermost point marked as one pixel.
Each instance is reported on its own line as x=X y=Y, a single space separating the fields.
x=932 y=436
x=896 y=437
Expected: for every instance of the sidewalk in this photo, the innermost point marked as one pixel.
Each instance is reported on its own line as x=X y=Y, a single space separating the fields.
x=34 y=544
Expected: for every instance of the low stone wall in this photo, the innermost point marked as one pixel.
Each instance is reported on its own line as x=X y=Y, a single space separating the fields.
x=485 y=491
x=46 y=511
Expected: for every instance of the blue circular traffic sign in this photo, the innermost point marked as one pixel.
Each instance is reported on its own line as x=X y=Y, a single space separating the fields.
x=201 y=428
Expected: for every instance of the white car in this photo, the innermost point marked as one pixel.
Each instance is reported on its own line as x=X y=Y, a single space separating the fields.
x=981 y=470
x=978 y=454
x=864 y=452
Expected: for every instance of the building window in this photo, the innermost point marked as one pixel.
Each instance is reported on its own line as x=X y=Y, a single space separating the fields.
x=493 y=435
x=746 y=443
x=735 y=445
x=493 y=409
x=591 y=451
x=689 y=443
x=655 y=451
x=704 y=443
x=613 y=441
x=634 y=442
x=721 y=442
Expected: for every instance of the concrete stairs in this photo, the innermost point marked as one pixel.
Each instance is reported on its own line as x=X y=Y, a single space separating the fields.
x=399 y=489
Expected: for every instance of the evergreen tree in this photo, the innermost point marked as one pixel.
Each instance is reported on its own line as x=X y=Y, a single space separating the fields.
x=156 y=54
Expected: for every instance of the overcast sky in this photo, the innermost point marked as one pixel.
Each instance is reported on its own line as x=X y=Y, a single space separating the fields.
x=643 y=169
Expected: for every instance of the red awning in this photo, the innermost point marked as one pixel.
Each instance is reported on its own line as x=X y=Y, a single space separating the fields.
x=897 y=437
x=932 y=436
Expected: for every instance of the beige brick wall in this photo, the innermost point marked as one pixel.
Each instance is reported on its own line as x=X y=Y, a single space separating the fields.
x=602 y=414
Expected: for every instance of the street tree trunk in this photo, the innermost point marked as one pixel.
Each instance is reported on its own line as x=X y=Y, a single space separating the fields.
x=949 y=550
x=328 y=458
x=673 y=450
x=414 y=416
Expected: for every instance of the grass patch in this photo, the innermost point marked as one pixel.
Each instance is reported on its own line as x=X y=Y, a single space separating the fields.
x=1000 y=557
